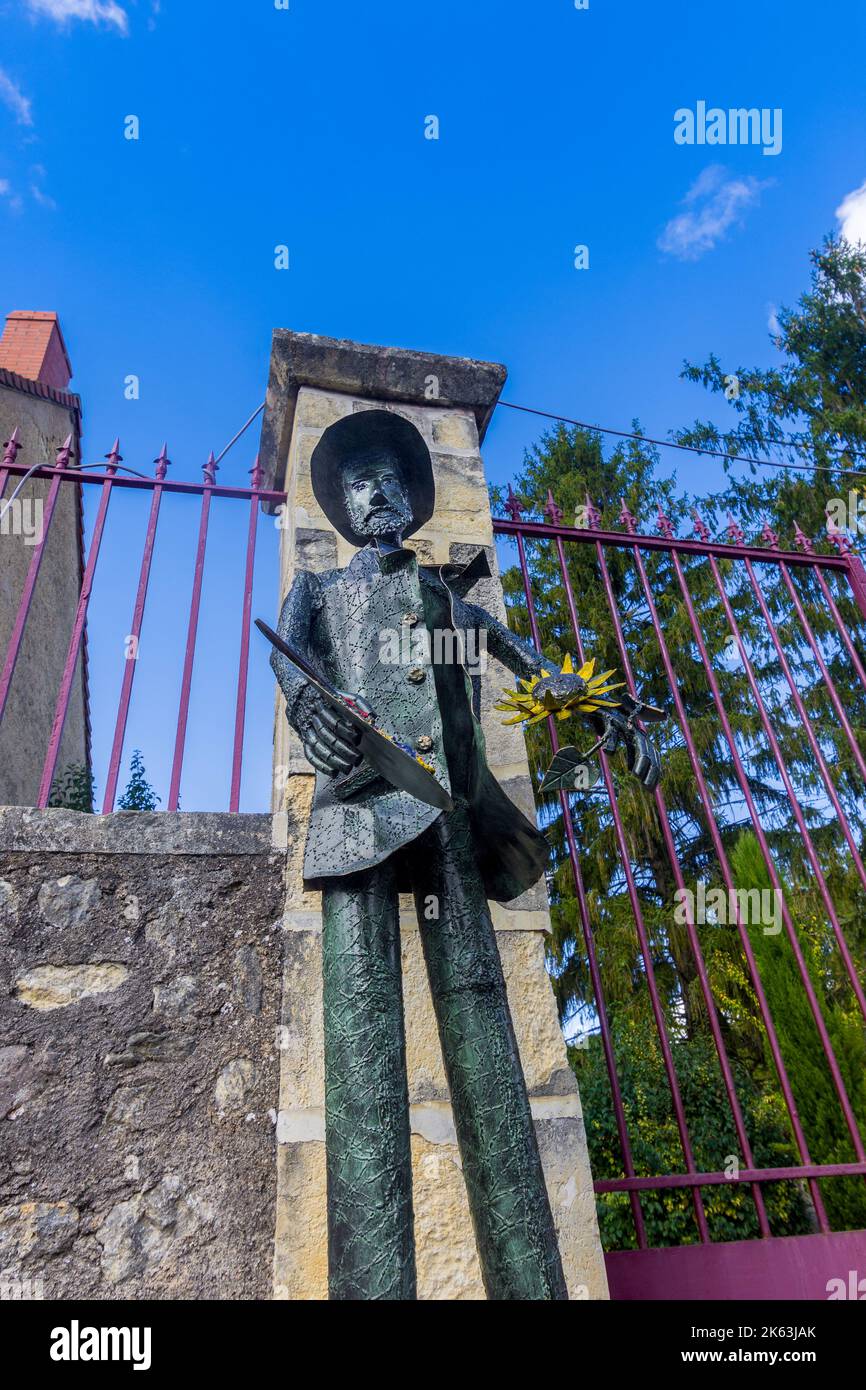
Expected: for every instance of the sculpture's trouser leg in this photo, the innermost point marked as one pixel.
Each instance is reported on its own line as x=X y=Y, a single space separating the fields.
x=514 y=1228
x=369 y=1163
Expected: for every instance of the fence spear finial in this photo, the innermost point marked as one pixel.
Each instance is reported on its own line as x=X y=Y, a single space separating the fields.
x=257 y=474
x=664 y=525
x=550 y=509
x=628 y=520
x=210 y=469
x=769 y=536
x=114 y=456
x=513 y=506
x=593 y=515
x=736 y=535
x=702 y=530
x=163 y=462
x=63 y=453
x=11 y=447
x=840 y=539
x=801 y=540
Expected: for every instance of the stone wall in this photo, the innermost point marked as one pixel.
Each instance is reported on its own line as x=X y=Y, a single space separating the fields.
x=161 y=1067
x=447 y=1261
x=24 y=731
x=139 y=1037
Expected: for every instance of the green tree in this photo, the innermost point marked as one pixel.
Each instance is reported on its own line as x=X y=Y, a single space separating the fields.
x=809 y=409
x=668 y=1214
x=571 y=465
x=139 y=795
x=811 y=1082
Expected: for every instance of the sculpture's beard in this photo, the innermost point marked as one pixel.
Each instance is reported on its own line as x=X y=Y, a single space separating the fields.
x=390 y=519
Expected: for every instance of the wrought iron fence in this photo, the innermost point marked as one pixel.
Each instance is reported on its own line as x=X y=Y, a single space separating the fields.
x=110 y=478
x=833 y=601
x=735 y=574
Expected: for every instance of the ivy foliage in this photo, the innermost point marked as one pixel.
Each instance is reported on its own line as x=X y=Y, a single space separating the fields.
x=73 y=788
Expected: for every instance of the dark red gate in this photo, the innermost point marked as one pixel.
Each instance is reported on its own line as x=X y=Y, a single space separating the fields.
x=113 y=478
x=818 y=1265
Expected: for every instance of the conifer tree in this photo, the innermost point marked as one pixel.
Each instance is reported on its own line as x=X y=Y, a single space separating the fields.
x=571 y=465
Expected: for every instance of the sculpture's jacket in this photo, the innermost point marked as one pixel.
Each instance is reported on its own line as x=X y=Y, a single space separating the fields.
x=357 y=625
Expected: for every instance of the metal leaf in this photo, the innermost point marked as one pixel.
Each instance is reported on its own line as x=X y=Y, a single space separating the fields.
x=560 y=776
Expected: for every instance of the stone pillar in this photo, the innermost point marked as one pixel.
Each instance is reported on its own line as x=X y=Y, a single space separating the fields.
x=315 y=381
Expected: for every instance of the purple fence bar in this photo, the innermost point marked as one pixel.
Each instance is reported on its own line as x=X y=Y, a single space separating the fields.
x=772 y=540
x=163 y=463
x=140 y=483
x=586 y=927
x=744 y=787
x=785 y=561
x=243 y=660
x=192 y=631
x=32 y=574
x=822 y=666
x=850 y=967
x=667 y=834
x=10 y=453
x=62 y=707
x=116 y=475
x=808 y=987
x=752 y=1175
x=640 y=927
x=740 y=582
x=857 y=581
x=727 y=875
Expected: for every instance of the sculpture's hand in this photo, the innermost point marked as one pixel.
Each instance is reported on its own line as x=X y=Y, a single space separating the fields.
x=616 y=727
x=330 y=743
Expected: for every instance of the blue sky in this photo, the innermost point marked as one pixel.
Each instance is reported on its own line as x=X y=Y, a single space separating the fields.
x=306 y=127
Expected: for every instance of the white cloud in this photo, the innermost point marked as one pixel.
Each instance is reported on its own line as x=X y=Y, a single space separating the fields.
x=8 y=192
x=773 y=322
x=42 y=198
x=16 y=201
x=96 y=11
x=851 y=213
x=715 y=203
x=12 y=96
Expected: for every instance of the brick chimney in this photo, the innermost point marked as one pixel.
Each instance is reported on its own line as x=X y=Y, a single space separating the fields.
x=32 y=345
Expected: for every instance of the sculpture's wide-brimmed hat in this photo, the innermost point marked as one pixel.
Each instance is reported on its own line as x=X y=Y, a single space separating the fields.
x=357 y=434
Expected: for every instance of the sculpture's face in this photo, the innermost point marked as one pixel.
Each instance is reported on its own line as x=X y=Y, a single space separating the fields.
x=376 y=498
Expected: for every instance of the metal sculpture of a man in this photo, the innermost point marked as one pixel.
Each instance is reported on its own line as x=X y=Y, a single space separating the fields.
x=368 y=840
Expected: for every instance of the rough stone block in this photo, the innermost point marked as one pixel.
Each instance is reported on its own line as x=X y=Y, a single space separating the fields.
x=140 y=983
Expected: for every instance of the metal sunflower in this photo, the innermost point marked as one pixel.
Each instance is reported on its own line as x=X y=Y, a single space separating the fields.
x=529 y=706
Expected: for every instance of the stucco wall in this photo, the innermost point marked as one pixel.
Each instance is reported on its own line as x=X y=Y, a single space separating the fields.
x=25 y=727
x=140 y=982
